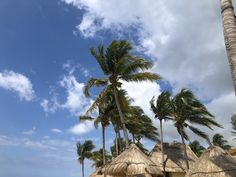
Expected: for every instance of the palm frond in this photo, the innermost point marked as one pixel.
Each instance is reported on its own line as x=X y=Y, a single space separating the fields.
x=140 y=77
x=199 y=133
x=94 y=82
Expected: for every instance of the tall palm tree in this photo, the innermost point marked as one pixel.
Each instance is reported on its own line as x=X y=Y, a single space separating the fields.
x=118 y=64
x=196 y=147
x=187 y=110
x=162 y=110
x=229 y=28
x=218 y=140
x=84 y=150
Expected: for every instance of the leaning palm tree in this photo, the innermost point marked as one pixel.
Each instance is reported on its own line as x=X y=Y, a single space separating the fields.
x=162 y=110
x=229 y=26
x=218 y=140
x=188 y=111
x=118 y=64
x=196 y=147
x=84 y=150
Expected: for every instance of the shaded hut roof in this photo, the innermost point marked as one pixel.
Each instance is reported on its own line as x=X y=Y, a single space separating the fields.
x=173 y=156
x=131 y=162
x=214 y=162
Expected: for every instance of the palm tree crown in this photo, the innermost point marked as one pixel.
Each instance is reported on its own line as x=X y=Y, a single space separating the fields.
x=118 y=64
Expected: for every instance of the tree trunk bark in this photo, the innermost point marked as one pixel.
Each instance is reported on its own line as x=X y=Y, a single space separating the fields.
x=121 y=118
x=229 y=28
x=103 y=145
x=162 y=150
x=185 y=152
x=120 y=143
x=117 y=148
x=82 y=168
x=133 y=138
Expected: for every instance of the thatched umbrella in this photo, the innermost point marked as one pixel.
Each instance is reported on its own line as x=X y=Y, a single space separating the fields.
x=98 y=173
x=214 y=162
x=174 y=159
x=132 y=162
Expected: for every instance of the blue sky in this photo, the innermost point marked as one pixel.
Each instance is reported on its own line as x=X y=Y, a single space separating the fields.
x=45 y=62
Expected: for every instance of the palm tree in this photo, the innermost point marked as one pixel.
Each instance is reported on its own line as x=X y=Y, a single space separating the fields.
x=187 y=110
x=162 y=110
x=233 y=122
x=218 y=140
x=118 y=64
x=196 y=147
x=84 y=151
x=97 y=157
x=229 y=26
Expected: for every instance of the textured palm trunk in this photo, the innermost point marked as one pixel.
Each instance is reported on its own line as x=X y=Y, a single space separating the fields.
x=103 y=145
x=117 y=146
x=229 y=26
x=82 y=168
x=185 y=152
x=121 y=118
x=162 y=150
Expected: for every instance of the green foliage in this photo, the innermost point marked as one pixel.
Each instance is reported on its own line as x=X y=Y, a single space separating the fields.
x=218 y=140
x=197 y=148
x=97 y=158
x=188 y=111
x=84 y=150
x=233 y=122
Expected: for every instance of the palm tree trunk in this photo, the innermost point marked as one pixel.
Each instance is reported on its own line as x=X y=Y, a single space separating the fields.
x=103 y=145
x=117 y=148
x=121 y=118
x=82 y=168
x=185 y=152
x=162 y=150
x=229 y=26
x=120 y=143
x=133 y=138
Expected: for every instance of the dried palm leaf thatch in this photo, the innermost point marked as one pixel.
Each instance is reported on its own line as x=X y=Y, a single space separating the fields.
x=174 y=159
x=214 y=162
x=132 y=162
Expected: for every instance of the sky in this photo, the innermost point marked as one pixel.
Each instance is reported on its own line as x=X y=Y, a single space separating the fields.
x=45 y=63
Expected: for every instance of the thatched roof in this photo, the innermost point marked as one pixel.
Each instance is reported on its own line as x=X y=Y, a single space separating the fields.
x=98 y=173
x=173 y=156
x=214 y=162
x=131 y=162
x=232 y=151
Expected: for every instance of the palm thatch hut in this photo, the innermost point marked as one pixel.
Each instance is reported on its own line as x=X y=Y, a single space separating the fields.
x=174 y=159
x=132 y=162
x=232 y=151
x=214 y=162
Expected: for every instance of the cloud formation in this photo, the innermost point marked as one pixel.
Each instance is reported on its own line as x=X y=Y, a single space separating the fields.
x=82 y=128
x=18 y=83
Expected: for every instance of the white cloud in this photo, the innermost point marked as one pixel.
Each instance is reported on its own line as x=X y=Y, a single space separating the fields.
x=82 y=128
x=30 y=132
x=55 y=130
x=17 y=83
x=223 y=108
x=188 y=52
x=76 y=102
x=142 y=93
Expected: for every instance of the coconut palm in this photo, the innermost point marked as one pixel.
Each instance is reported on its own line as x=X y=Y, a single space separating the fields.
x=229 y=26
x=118 y=64
x=84 y=150
x=162 y=110
x=97 y=157
x=218 y=140
x=196 y=147
x=188 y=111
